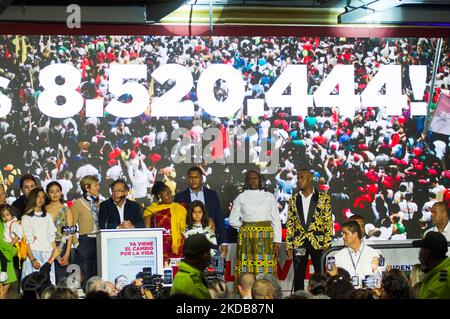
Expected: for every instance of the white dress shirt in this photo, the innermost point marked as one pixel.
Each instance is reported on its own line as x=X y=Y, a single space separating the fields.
x=408 y=209
x=446 y=231
x=197 y=196
x=121 y=210
x=357 y=263
x=306 y=202
x=256 y=206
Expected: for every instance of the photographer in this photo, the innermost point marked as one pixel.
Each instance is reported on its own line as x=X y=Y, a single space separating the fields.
x=189 y=279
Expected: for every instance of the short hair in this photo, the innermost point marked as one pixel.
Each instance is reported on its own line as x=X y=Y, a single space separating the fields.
x=395 y=286
x=263 y=288
x=25 y=177
x=195 y=169
x=86 y=181
x=92 y=282
x=158 y=187
x=317 y=284
x=441 y=205
x=34 y=284
x=130 y=292
x=356 y=218
x=354 y=227
x=119 y=181
x=274 y=281
x=338 y=287
x=63 y=293
x=47 y=292
x=246 y=280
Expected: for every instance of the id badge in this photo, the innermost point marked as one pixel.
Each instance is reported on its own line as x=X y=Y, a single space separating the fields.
x=355 y=281
x=300 y=252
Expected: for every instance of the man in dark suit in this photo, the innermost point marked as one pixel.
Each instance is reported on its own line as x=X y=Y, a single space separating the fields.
x=210 y=198
x=118 y=212
x=308 y=227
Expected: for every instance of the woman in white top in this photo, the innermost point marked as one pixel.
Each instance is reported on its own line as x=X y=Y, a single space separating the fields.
x=255 y=214
x=40 y=232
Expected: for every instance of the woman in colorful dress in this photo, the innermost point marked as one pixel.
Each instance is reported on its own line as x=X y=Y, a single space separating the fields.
x=62 y=216
x=164 y=213
x=255 y=215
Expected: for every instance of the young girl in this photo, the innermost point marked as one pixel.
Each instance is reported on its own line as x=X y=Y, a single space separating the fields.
x=13 y=229
x=40 y=232
x=13 y=233
x=62 y=216
x=198 y=222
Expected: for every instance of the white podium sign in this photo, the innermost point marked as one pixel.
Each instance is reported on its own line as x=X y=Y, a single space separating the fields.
x=125 y=252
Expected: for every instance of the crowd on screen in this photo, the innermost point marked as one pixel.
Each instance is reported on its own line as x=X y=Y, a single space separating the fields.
x=373 y=165
x=369 y=163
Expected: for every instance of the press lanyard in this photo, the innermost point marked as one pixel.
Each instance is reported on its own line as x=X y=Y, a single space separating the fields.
x=357 y=262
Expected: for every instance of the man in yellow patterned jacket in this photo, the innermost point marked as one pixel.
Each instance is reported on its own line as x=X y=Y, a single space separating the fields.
x=309 y=226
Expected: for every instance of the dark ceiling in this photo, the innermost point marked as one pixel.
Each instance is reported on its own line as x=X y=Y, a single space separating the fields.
x=343 y=11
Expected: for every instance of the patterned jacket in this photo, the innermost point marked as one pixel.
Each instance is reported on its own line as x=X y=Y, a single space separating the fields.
x=318 y=229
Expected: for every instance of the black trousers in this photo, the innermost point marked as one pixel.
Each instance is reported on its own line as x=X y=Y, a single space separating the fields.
x=61 y=271
x=300 y=263
x=86 y=257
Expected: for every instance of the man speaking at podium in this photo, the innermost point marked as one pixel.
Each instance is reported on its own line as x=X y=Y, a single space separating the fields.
x=118 y=212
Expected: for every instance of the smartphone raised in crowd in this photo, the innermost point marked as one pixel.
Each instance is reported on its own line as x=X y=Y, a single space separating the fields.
x=168 y=277
x=331 y=263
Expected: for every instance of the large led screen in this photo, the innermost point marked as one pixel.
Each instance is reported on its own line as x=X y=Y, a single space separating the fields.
x=147 y=108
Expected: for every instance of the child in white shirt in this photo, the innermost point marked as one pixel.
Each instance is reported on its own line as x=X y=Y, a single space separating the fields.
x=12 y=234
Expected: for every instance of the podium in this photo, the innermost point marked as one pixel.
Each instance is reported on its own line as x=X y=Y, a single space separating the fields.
x=125 y=252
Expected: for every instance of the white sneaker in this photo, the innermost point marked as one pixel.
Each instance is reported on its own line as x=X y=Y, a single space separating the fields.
x=3 y=276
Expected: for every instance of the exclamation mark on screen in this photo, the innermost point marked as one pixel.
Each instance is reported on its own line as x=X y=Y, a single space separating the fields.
x=418 y=78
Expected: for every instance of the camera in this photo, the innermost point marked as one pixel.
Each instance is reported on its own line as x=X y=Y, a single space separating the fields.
x=215 y=270
x=154 y=283
x=217 y=264
x=212 y=277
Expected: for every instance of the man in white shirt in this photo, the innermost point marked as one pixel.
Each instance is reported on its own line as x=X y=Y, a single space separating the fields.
x=426 y=213
x=437 y=189
x=439 y=218
x=357 y=258
x=408 y=209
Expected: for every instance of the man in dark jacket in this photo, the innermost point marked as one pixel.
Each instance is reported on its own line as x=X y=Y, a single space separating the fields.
x=118 y=211
x=27 y=184
x=210 y=198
